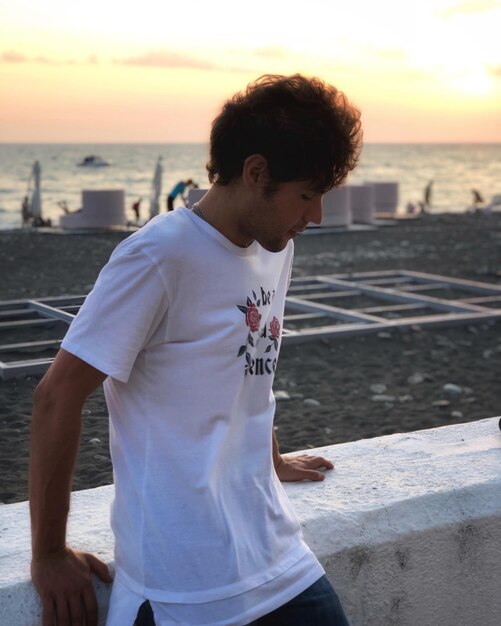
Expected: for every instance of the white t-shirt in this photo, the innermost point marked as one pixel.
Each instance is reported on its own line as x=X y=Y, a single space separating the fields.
x=187 y=327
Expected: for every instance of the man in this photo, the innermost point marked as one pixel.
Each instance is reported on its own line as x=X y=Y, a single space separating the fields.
x=178 y=190
x=136 y=208
x=477 y=198
x=183 y=326
x=426 y=204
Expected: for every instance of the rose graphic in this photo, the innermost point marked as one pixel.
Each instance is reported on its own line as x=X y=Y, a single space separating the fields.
x=274 y=334
x=274 y=328
x=252 y=317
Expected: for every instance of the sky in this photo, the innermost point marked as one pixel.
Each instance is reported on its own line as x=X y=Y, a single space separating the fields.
x=159 y=70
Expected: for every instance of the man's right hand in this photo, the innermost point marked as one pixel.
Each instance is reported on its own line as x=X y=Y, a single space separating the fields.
x=64 y=583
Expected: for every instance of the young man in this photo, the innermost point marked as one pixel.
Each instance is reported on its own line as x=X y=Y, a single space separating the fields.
x=183 y=327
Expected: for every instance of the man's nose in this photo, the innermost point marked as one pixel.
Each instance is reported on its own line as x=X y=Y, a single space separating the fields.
x=315 y=211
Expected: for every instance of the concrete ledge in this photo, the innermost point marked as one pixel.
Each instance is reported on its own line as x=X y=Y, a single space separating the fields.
x=408 y=528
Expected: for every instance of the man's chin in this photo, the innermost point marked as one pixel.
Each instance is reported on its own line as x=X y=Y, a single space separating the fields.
x=277 y=245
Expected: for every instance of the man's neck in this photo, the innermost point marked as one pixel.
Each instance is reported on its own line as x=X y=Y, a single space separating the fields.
x=220 y=207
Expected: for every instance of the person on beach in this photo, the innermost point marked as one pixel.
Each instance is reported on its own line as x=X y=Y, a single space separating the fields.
x=183 y=327
x=179 y=190
x=136 y=207
x=26 y=215
x=426 y=204
x=478 y=199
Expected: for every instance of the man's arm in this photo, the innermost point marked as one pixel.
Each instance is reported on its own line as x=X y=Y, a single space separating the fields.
x=62 y=576
x=292 y=468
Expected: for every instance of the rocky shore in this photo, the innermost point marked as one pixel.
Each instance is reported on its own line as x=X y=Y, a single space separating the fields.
x=328 y=391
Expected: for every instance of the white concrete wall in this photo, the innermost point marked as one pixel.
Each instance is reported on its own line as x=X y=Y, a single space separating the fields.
x=408 y=528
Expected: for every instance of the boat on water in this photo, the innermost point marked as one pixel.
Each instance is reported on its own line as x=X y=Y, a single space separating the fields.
x=93 y=161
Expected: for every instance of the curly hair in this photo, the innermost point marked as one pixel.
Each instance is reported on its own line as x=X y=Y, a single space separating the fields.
x=304 y=128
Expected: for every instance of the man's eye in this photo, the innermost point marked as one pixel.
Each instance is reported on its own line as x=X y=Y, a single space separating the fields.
x=306 y=196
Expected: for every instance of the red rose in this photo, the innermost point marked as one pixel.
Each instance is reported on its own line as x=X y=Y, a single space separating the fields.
x=274 y=328
x=252 y=317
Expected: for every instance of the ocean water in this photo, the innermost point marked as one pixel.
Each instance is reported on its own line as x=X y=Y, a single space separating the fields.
x=454 y=168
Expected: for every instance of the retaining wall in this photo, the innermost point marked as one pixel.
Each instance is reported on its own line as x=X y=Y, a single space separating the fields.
x=408 y=527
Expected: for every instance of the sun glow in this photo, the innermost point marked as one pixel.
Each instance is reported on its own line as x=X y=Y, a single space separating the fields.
x=473 y=82
x=117 y=72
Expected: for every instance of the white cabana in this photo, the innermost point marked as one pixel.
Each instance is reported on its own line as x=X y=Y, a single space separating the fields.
x=336 y=207
x=101 y=208
x=195 y=194
x=362 y=203
x=156 y=189
x=386 y=196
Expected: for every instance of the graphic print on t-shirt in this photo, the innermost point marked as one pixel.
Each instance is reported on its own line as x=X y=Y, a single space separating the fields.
x=259 y=336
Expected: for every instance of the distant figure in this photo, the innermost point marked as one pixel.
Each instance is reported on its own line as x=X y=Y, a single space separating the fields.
x=25 y=211
x=177 y=190
x=135 y=208
x=410 y=208
x=427 y=196
x=477 y=198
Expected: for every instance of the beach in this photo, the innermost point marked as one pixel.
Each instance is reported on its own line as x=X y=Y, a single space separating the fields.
x=330 y=390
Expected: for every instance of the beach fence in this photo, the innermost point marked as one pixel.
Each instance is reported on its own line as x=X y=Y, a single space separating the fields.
x=407 y=527
x=316 y=307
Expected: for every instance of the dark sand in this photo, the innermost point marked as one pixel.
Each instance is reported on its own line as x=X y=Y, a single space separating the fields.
x=333 y=376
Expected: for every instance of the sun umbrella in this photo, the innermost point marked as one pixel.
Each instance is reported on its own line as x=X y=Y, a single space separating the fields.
x=36 y=198
x=156 y=189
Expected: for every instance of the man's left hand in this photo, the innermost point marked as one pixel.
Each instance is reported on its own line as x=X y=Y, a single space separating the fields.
x=293 y=468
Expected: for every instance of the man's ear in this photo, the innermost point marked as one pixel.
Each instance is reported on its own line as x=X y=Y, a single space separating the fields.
x=255 y=170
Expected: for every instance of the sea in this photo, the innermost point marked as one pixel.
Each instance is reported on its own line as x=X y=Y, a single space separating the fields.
x=455 y=170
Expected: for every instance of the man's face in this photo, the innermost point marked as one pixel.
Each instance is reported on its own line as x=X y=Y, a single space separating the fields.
x=275 y=218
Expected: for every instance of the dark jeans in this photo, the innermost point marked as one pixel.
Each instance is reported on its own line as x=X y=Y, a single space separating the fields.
x=316 y=606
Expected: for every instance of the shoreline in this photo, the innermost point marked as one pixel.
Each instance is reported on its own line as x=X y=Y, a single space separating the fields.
x=331 y=385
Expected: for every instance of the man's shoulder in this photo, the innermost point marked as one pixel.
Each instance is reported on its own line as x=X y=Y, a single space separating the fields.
x=162 y=237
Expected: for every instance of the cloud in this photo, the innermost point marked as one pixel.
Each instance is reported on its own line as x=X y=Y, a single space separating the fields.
x=43 y=60
x=13 y=57
x=470 y=6
x=171 y=59
x=167 y=58
x=154 y=59
x=17 y=57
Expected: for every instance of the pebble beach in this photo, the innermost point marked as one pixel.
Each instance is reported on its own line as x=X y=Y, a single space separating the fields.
x=328 y=390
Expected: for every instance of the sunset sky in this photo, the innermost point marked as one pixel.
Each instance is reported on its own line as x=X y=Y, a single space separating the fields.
x=159 y=70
